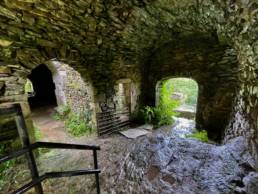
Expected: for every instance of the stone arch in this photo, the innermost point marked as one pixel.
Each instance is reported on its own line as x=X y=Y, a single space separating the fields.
x=133 y=30
x=212 y=65
x=158 y=85
x=231 y=22
x=74 y=90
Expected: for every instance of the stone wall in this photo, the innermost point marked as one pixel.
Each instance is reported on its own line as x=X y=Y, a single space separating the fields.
x=72 y=90
x=12 y=85
x=111 y=39
x=126 y=95
x=212 y=65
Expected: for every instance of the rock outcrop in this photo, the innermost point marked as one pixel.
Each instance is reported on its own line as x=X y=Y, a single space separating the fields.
x=160 y=164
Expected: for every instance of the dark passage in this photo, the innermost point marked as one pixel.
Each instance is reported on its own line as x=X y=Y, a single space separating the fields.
x=44 y=88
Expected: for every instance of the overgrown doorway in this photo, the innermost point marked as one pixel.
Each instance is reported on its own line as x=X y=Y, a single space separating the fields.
x=43 y=88
x=176 y=103
x=176 y=98
x=182 y=90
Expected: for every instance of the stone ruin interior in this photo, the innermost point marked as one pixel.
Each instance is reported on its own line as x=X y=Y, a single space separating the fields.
x=84 y=53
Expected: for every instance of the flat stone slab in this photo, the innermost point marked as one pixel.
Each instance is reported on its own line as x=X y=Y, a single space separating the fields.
x=186 y=111
x=134 y=133
x=146 y=126
x=186 y=108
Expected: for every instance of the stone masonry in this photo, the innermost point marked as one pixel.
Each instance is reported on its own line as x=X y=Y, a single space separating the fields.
x=110 y=40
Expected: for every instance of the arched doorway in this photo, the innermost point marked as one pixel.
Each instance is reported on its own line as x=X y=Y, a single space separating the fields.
x=123 y=98
x=184 y=91
x=176 y=105
x=43 y=86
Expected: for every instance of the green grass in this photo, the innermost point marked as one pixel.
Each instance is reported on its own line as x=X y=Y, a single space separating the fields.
x=186 y=86
x=75 y=124
x=200 y=135
x=37 y=132
x=38 y=137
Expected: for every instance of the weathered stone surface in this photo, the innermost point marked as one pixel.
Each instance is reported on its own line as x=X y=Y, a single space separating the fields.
x=251 y=183
x=216 y=75
x=73 y=91
x=175 y=165
x=116 y=39
x=5 y=70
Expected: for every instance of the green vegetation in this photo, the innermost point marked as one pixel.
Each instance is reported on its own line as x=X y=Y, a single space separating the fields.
x=186 y=86
x=75 y=124
x=162 y=114
x=200 y=135
x=37 y=132
x=6 y=165
x=38 y=137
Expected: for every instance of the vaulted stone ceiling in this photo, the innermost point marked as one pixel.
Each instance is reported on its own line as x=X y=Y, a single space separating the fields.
x=105 y=32
x=94 y=32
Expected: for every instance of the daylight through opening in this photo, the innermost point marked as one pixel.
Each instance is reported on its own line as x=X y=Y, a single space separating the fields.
x=180 y=95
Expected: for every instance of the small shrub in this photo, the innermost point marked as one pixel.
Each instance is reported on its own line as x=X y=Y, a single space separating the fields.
x=148 y=114
x=200 y=135
x=162 y=117
x=163 y=113
x=76 y=125
x=157 y=116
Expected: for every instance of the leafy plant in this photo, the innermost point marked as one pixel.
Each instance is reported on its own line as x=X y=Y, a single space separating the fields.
x=28 y=86
x=200 y=135
x=166 y=105
x=76 y=125
x=162 y=117
x=147 y=114
x=163 y=113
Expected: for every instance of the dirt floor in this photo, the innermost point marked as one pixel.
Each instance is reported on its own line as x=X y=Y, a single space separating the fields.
x=113 y=148
x=128 y=166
